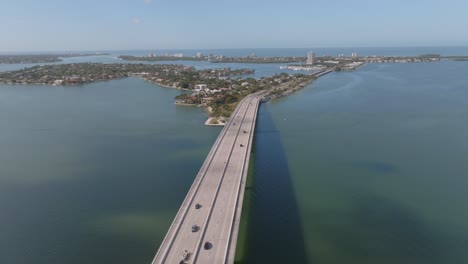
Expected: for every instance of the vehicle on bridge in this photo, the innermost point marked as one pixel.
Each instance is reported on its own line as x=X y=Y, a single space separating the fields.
x=185 y=256
x=208 y=246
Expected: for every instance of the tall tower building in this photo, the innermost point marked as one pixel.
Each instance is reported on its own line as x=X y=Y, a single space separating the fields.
x=310 y=58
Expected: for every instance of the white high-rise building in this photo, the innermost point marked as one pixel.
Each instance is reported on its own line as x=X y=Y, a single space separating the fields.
x=310 y=58
x=354 y=55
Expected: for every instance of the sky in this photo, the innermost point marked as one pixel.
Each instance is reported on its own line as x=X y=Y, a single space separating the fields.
x=66 y=25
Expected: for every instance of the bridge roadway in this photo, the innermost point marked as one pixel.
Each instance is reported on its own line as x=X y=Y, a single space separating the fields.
x=219 y=189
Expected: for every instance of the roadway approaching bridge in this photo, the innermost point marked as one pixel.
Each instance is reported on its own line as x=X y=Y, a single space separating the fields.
x=206 y=227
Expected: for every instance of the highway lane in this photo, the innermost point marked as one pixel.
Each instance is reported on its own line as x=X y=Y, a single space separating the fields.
x=217 y=188
x=219 y=231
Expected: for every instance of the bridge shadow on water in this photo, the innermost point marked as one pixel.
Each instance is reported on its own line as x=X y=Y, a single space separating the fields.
x=274 y=227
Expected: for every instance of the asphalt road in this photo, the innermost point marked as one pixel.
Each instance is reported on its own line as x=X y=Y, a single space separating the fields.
x=209 y=234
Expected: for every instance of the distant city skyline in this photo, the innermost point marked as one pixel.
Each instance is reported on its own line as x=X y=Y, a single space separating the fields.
x=174 y=24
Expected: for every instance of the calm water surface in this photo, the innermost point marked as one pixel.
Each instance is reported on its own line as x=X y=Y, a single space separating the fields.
x=361 y=167
x=365 y=167
x=95 y=173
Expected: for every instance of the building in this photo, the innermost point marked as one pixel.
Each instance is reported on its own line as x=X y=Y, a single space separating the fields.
x=310 y=58
x=200 y=87
x=354 y=55
x=199 y=55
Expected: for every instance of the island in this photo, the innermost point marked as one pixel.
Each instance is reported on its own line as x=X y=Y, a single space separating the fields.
x=254 y=59
x=221 y=102
x=152 y=57
x=218 y=90
x=174 y=76
x=213 y=58
x=42 y=58
x=456 y=58
x=297 y=63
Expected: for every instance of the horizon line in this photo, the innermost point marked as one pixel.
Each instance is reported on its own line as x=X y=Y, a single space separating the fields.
x=245 y=48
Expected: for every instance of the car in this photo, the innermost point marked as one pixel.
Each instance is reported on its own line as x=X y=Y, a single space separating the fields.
x=241 y=145
x=245 y=131
x=195 y=228
x=185 y=256
x=197 y=206
x=207 y=246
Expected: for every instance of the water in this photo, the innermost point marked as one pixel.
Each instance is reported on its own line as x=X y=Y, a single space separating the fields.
x=359 y=167
x=95 y=173
x=271 y=52
x=262 y=70
x=365 y=167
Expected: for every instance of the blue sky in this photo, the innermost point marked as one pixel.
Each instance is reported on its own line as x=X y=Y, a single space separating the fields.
x=52 y=25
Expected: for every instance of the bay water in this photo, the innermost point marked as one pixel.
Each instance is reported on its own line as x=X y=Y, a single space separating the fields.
x=358 y=167
x=364 y=167
x=94 y=173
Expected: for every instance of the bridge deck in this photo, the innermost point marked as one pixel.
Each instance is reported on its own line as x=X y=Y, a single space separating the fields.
x=218 y=188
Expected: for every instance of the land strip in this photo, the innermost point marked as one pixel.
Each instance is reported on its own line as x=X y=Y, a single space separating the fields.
x=41 y=58
x=213 y=89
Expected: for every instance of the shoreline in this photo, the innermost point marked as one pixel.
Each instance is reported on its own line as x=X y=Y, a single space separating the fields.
x=208 y=122
x=163 y=85
x=218 y=102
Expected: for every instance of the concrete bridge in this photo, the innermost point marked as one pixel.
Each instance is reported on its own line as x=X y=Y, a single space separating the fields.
x=206 y=227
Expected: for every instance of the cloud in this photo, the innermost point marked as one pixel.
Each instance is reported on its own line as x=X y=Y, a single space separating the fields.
x=136 y=21
x=148 y=1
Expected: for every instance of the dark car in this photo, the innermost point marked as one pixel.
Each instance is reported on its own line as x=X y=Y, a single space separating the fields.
x=197 y=206
x=195 y=228
x=207 y=246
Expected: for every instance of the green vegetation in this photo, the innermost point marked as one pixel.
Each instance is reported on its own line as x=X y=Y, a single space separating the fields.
x=214 y=121
x=429 y=56
x=211 y=88
x=456 y=58
x=254 y=59
x=40 y=58
x=177 y=76
x=159 y=58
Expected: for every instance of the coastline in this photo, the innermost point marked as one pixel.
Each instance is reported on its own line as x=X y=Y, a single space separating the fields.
x=163 y=85
x=210 y=119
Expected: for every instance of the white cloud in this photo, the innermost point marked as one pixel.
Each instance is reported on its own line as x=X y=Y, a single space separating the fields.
x=136 y=21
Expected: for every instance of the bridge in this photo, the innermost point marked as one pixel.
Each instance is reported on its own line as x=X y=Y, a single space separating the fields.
x=206 y=227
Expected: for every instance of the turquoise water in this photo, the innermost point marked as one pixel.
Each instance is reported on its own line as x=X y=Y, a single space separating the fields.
x=365 y=167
